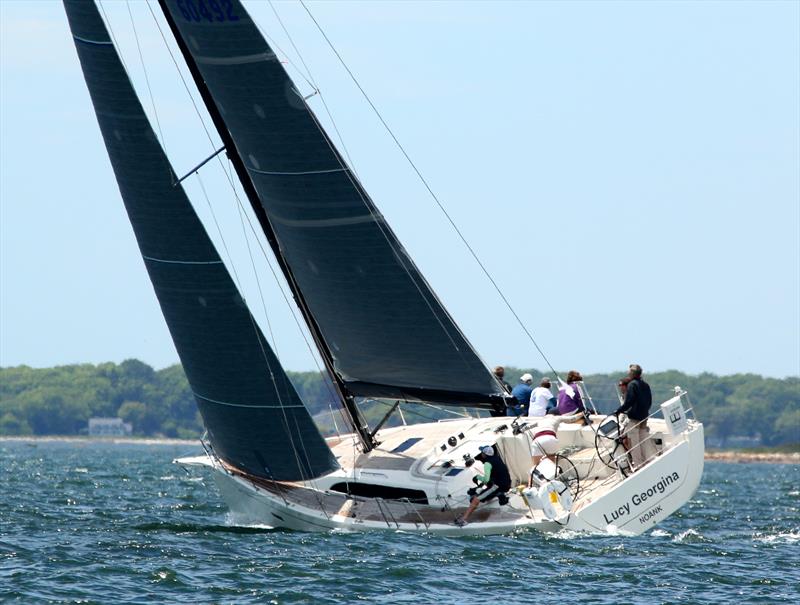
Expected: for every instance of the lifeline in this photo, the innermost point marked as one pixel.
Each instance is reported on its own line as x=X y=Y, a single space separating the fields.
x=659 y=488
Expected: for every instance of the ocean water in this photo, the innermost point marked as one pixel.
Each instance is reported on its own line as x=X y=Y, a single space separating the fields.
x=103 y=523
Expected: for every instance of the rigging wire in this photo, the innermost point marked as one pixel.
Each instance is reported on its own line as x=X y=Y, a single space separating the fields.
x=416 y=412
x=426 y=293
x=113 y=37
x=313 y=83
x=350 y=175
x=430 y=191
x=180 y=74
x=289 y=305
x=259 y=338
x=258 y=281
x=231 y=182
x=349 y=171
x=385 y=230
x=146 y=77
x=219 y=231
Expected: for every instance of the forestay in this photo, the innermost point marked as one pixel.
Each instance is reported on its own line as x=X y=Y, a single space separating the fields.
x=254 y=417
x=382 y=328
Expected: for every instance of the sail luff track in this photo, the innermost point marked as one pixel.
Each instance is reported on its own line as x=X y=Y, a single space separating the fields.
x=255 y=419
x=377 y=322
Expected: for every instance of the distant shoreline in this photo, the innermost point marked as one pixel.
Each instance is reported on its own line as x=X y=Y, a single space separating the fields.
x=737 y=456
x=112 y=440
x=717 y=455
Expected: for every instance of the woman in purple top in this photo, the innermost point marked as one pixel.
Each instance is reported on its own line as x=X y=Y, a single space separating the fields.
x=569 y=399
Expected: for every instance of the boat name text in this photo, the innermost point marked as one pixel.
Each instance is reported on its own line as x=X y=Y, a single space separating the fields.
x=639 y=498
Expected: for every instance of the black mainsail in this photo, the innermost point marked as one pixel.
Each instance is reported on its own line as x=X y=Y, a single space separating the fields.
x=378 y=324
x=254 y=417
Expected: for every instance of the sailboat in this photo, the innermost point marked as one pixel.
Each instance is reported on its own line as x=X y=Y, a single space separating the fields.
x=379 y=328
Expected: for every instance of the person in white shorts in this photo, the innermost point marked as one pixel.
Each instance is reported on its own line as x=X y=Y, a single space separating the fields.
x=545 y=437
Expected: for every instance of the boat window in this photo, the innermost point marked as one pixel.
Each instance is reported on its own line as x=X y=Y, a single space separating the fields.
x=406 y=444
x=372 y=490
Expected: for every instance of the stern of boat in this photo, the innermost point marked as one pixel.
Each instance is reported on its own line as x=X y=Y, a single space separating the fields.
x=640 y=501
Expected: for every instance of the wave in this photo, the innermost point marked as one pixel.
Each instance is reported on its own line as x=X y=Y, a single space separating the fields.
x=199 y=528
x=690 y=535
x=789 y=537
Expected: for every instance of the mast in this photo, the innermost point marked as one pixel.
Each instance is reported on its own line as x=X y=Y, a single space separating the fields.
x=356 y=418
x=254 y=417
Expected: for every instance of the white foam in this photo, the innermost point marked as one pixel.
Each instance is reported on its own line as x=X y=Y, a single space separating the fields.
x=568 y=534
x=235 y=520
x=685 y=534
x=787 y=537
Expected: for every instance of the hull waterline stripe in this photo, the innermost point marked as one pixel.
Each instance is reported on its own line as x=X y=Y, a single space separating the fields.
x=244 y=405
x=182 y=262
x=93 y=42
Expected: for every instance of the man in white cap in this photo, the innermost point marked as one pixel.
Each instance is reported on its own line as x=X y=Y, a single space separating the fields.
x=522 y=393
x=494 y=482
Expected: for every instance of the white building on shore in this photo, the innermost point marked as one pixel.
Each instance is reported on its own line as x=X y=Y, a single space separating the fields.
x=109 y=427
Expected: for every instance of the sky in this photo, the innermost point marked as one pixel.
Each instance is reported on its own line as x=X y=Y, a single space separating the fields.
x=628 y=173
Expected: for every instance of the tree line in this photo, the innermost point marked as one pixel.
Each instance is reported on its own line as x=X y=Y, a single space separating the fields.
x=737 y=409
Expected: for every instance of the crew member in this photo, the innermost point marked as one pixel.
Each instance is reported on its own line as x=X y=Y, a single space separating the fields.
x=522 y=393
x=499 y=373
x=636 y=406
x=541 y=399
x=493 y=483
x=569 y=398
x=545 y=438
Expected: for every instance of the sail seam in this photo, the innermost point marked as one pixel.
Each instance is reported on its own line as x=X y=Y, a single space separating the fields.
x=95 y=42
x=243 y=405
x=330 y=170
x=324 y=222
x=240 y=60
x=182 y=262
x=122 y=116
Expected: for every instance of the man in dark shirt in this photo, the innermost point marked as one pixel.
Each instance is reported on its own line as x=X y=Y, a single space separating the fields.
x=636 y=406
x=500 y=373
x=493 y=483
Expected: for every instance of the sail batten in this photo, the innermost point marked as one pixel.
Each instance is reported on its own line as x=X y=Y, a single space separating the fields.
x=254 y=417
x=373 y=315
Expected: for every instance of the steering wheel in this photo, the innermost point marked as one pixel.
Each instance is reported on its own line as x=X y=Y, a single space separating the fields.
x=566 y=472
x=608 y=445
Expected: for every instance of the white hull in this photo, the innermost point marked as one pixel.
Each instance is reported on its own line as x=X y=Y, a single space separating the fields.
x=609 y=502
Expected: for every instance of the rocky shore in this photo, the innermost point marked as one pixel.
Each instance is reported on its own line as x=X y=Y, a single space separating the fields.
x=739 y=456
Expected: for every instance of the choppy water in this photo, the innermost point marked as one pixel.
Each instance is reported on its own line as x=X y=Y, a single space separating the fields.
x=103 y=523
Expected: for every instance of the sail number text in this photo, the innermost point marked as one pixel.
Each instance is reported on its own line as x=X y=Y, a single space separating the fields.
x=210 y=10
